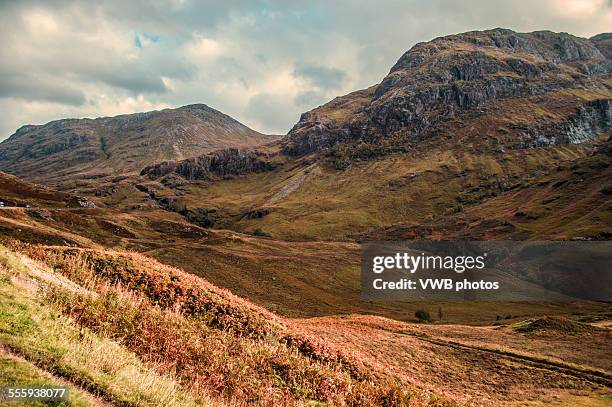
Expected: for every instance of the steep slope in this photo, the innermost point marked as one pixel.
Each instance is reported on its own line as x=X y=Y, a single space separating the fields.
x=63 y=151
x=571 y=202
x=460 y=77
x=215 y=347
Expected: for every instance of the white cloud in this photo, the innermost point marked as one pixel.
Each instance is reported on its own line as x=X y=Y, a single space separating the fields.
x=581 y=8
x=202 y=48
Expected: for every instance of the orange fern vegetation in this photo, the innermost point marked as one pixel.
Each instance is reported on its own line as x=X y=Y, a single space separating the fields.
x=211 y=341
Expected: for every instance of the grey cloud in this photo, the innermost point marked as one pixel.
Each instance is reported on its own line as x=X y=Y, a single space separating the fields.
x=33 y=90
x=309 y=99
x=143 y=76
x=270 y=110
x=137 y=82
x=321 y=76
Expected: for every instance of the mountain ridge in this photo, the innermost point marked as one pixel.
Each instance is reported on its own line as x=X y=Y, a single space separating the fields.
x=108 y=146
x=448 y=76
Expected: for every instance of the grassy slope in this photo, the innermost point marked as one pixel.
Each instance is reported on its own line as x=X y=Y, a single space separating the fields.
x=37 y=331
x=332 y=204
x=16 y=192
x=191 y=333
x=18 y=372
x=573 y=200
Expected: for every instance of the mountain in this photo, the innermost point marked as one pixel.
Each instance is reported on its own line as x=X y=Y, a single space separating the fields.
x=461 y=124
x=564 y=82
x=63 y=151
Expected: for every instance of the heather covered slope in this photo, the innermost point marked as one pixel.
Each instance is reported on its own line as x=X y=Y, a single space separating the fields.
x=179 y=339
x=63 y=151
x=182 y=341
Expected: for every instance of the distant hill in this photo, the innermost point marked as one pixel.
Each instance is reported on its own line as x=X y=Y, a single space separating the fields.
x=67 y=150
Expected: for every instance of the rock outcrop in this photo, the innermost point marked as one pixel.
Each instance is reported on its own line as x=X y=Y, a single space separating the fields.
x=220 y=164
x=603 y=42
x=590 y=119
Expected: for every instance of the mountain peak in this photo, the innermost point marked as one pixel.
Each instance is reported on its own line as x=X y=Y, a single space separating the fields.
x=109 y=146
x=461 y=75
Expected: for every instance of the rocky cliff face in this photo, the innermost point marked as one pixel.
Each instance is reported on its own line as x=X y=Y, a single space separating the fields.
x=110 y=146
x=590 y=119
x=603 y=42
x=460 y=75
x=220 y=164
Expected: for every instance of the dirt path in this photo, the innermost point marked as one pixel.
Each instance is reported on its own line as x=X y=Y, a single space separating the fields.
x=45 y=276
x=91 y=398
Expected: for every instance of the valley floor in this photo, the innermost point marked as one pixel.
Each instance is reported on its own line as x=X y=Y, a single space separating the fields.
x=558 y=362
x=477 y=354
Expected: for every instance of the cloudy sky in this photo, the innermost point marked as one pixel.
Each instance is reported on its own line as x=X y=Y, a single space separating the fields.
x=262 y=62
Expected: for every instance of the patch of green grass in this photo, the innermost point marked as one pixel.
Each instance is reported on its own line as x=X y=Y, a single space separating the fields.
x=34 y=214
x=15 y=372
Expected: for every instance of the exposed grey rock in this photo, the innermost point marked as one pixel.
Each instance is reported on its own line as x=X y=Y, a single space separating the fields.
x=603 y=42
x=591 y=119
x=222 y=163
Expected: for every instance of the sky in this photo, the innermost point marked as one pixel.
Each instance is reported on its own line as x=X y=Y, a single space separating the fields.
x=261 y=62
